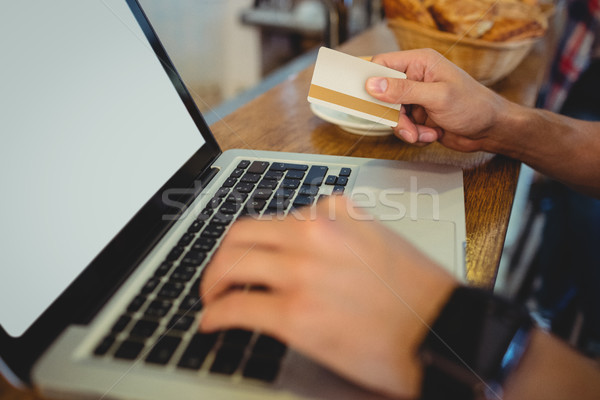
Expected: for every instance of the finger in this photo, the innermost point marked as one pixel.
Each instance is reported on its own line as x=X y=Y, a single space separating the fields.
x=406 y=128
x=428 y=134
x=272 y=231
x=259 y=232
x=418 y=64
x=252 y=310
x=418 y=114
x=403 y=91
x=240 y=267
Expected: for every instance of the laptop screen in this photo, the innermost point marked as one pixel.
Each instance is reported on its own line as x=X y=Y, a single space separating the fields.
x=92 y=127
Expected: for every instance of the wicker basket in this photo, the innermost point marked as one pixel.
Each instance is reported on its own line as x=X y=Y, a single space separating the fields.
x=488 y=62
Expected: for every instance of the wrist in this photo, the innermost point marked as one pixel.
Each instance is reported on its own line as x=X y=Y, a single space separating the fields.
x=476 y=342
x=509 y=134
x=434 y=293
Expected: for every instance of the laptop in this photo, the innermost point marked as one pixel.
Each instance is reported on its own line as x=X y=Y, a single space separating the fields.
x=115 y=196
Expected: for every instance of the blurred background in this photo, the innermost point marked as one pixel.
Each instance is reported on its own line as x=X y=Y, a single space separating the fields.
x=228 y=51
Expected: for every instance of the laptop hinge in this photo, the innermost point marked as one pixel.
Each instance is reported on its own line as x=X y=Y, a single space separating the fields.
x=206 y=177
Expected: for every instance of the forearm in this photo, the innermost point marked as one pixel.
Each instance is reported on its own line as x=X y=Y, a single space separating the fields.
x=563 y=148
x=551 y=370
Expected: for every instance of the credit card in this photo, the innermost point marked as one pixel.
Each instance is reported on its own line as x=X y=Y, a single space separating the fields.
x=338 y=82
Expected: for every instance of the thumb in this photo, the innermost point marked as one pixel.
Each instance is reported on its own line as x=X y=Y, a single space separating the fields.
x=399 y=91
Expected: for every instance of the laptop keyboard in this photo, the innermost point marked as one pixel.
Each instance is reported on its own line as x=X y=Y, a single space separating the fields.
x=159 y=326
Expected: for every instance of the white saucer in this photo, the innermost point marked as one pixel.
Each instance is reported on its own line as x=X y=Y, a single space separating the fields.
x=350 y=123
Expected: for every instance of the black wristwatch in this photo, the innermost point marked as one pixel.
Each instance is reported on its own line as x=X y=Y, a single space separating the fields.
x=472 y=347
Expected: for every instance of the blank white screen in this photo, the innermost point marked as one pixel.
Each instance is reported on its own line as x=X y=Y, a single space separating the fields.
x=91 y=128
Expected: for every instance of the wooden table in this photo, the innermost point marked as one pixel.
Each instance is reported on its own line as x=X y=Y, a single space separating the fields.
x=280 y=119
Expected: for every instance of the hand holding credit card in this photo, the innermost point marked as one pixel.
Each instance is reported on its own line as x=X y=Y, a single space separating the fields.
x=338 y=82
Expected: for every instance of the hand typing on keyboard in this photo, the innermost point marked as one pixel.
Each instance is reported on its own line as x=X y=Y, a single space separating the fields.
x=344 y=291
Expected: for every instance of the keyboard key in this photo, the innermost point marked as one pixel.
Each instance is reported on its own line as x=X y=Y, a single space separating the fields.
x=199 y=347
x=129 y=350
x=237 y=337
x=171 y=290
x=230 y=182
x=150 y=285
x=191 y=302
x=290 y=183
x=213 y=203
x=180 y=323
x=268 y=346
x=191 y=259
x=144 y=329
x=104 y=346
x=274 y=175
x=121 y=324
x=345 y=172
x=284 y=193
x=262 y=193
x=331 y=179
x=222 y=192
x=243 y=164
x=160 y=308
x=175 y=253
x=338 y=189
x=163 y=269
x=250 y=177
x=236 y=173
x=213 y=231
x=342 y=181
x=287 y=166
x=294 y=174
x=308 y=190
x=254 y=206
x=279 y=204
x=222 y=219
x=136 y=304
x=185 y=272
x=206 y=213
x=244 y=187
x=262 y=368
x=195 y=227
x=299 y=167
x=258 y=167
x=185 y=239
x=315 y=175
x=227 y=359
x=277 y=166
x=236 y=197
x=195 y=286
x=163 y=350
x=301 y=201
x=268 y=184
x=204 y=244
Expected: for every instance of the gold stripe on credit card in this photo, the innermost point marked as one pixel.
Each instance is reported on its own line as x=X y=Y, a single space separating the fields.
x=353 y=103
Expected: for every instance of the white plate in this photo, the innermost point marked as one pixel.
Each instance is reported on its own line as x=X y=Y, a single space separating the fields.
x=350 y=123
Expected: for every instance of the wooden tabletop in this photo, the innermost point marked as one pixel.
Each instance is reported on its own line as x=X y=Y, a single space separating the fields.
x=281 y=119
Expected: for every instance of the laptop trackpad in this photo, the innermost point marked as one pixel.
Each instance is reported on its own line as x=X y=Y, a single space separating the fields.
x=434 y=238
x=416 y=216
x=303 y=377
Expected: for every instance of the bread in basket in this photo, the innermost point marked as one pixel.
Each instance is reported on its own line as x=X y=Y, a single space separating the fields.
x=488 y=39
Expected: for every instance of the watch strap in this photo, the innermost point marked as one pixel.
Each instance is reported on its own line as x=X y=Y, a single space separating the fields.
x=473 y=345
